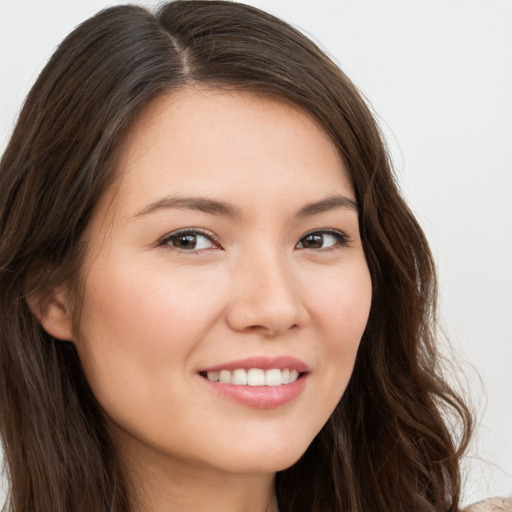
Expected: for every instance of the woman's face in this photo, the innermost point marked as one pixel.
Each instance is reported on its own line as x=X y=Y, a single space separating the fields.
x=229 y=250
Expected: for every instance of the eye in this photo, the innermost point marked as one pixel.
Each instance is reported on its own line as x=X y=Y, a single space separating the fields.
x=189 y=240
x=326 y=239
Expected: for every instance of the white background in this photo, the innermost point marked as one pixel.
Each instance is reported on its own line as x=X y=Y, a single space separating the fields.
x=439 y=75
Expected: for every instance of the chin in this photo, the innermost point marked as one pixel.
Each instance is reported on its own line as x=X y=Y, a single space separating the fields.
x=265 y=458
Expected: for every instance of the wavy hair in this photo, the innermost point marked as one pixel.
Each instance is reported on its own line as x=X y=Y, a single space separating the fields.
x=395 y=439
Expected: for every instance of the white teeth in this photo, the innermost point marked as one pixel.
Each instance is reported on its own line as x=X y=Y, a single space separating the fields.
x=254 y=377
x=213 y=376
x=225 y=376
x=273 y=378
x=239 y=377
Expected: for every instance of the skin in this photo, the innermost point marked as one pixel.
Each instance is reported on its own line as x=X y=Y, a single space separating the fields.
x=154 y=314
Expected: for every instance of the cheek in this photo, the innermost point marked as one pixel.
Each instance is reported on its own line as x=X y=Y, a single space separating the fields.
x=341 y=302
x=341 y=311
x=135 y=324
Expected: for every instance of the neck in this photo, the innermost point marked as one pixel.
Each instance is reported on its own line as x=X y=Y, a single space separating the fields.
x=163 y=484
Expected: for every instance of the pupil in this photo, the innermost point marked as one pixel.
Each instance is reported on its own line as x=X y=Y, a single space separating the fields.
x=187 y=241
x=314 y=241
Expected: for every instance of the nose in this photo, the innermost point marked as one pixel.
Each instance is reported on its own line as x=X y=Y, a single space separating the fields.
x=266 y=297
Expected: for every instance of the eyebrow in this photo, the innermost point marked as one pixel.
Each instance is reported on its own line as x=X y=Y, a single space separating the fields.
x=329 y=203
x=201 y=204
x=221 y=208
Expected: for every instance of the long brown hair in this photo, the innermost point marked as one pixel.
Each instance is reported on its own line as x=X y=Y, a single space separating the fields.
x=395 y=439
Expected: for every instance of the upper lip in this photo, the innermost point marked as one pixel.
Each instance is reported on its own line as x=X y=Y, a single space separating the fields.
x=263 y=362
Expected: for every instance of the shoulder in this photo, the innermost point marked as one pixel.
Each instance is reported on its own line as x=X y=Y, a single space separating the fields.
x=491 y=505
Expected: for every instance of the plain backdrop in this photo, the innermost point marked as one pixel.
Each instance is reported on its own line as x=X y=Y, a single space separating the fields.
x=438 y=74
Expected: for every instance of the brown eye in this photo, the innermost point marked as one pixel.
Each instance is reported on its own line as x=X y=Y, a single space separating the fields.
x=189 y=241
x=322 y=240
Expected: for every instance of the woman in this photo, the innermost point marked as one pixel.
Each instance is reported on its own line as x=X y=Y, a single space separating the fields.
x=213 y=295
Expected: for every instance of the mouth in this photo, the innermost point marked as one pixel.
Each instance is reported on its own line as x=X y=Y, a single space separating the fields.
x=254 y=376
x=258 y=382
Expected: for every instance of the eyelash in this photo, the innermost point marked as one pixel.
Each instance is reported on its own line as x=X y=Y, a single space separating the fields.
x=187 y=232
x=341 y=238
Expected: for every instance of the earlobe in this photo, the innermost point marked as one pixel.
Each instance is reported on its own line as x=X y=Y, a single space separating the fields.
x=55 y=315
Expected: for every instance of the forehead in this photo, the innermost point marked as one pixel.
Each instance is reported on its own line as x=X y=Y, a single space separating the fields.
x=217 y=141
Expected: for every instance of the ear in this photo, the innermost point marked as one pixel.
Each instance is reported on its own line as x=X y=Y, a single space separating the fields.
x=55 y=314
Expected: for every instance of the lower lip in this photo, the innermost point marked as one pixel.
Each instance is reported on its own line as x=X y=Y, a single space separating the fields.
x=259 y=397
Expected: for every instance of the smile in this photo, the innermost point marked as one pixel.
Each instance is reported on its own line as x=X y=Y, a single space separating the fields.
x=261 y=382
x=254 y=377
